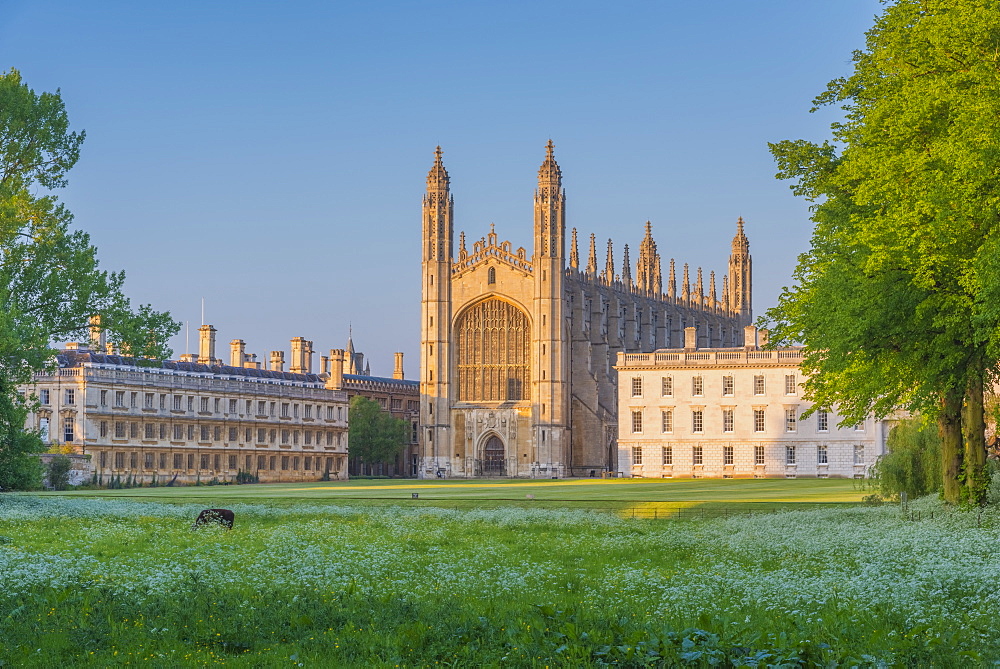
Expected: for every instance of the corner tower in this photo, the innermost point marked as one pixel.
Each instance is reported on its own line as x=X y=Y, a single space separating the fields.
x=741 y=275
x=551 y=400
x=435 y=324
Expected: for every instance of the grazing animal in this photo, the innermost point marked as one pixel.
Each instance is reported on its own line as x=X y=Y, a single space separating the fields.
x=223 y=517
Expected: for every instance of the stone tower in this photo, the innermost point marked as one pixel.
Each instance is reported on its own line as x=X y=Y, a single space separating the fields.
x=549 y=261
x=435 y=328
x=740 y=273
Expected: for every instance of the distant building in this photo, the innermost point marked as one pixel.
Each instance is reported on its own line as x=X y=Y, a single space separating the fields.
x=731 y=413
x=518 y=345
x=195 y=419
x=399 y=396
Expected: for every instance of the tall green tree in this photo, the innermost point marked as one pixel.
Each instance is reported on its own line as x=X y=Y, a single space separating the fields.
x=374 y=436
x=893 y=299
x=50 y=279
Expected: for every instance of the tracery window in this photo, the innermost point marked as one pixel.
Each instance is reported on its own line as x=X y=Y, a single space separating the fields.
x=494 y=340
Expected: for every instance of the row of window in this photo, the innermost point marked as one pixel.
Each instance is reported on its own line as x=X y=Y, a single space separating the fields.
x=213 y=462
x=729 y=455
x=728 y=385
x=69 y=396
x=728 y=421
x=216 y=433
x=132 y=399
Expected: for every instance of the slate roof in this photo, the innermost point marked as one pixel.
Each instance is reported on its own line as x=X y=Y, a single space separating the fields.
x=77 y=358
x=380 y=379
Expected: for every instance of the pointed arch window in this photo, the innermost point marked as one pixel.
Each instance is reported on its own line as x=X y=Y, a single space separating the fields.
x=491 y=275
x=493 y=340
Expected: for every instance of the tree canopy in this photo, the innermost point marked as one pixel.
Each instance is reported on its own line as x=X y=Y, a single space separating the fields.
x=50 y=279
x=373 y=434
x=893 y=299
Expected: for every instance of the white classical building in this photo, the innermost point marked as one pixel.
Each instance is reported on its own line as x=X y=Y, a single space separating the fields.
x=731 y=413
x=195 y=419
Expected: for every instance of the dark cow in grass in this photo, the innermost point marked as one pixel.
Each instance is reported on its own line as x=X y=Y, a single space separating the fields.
x=223 y=517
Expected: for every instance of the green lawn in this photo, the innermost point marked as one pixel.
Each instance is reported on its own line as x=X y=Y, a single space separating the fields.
x=641 y=497
x=116 y=581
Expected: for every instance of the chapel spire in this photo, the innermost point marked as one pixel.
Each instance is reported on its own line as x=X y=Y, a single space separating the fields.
x=438 y=226
x=437 y=178
x=609 y=266
x=626 y=269
x=647 y=273
x=550 y=210
x=592 y=258
x=574 y=253
x=672 y=282
x=741 y=275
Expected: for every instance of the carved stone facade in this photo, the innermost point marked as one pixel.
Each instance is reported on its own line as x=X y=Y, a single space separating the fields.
x=518 y=352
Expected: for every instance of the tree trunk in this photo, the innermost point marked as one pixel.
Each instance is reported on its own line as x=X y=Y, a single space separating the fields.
x=974 y=433
x=950 y=429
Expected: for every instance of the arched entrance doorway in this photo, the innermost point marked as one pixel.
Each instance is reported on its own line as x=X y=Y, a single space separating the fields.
x=493 y=457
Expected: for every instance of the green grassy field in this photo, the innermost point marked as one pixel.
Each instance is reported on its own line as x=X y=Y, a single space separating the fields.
x=640 y=497
x=113 y=580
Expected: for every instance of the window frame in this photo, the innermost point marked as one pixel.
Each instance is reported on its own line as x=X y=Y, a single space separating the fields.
x=667 y=421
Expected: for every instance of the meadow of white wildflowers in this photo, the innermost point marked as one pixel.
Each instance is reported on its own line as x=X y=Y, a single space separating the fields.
x=885 y=588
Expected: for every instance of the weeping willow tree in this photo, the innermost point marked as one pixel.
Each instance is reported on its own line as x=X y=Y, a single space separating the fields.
x=913 y=461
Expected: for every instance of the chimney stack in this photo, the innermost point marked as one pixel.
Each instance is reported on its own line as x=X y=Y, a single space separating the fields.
x=690 y=338
x=762 y=337
x=336 y=379
x=277 y=361
x=301 y=356
x=324 y=364
x=206 y=345
x=236 y=352
x=749 y=337
x=98 y=339
x=398 y=372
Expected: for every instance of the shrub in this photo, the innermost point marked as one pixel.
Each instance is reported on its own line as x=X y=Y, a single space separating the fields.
x=57 y=472
x=246 y=477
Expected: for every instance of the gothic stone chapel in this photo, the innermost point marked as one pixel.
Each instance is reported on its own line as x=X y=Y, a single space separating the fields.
x=517 y=349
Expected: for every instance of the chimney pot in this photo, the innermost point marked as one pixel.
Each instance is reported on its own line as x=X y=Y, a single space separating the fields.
x=206 y=345
x=236 y=355
x=336 y=378
x=690 y=338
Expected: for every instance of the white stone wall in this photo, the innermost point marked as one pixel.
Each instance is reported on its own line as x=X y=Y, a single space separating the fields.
x=850 y=450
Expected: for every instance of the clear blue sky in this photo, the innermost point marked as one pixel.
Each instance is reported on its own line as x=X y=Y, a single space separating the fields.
x=271 y=157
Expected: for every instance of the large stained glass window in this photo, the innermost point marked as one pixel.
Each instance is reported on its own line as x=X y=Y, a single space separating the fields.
x=493 y=352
